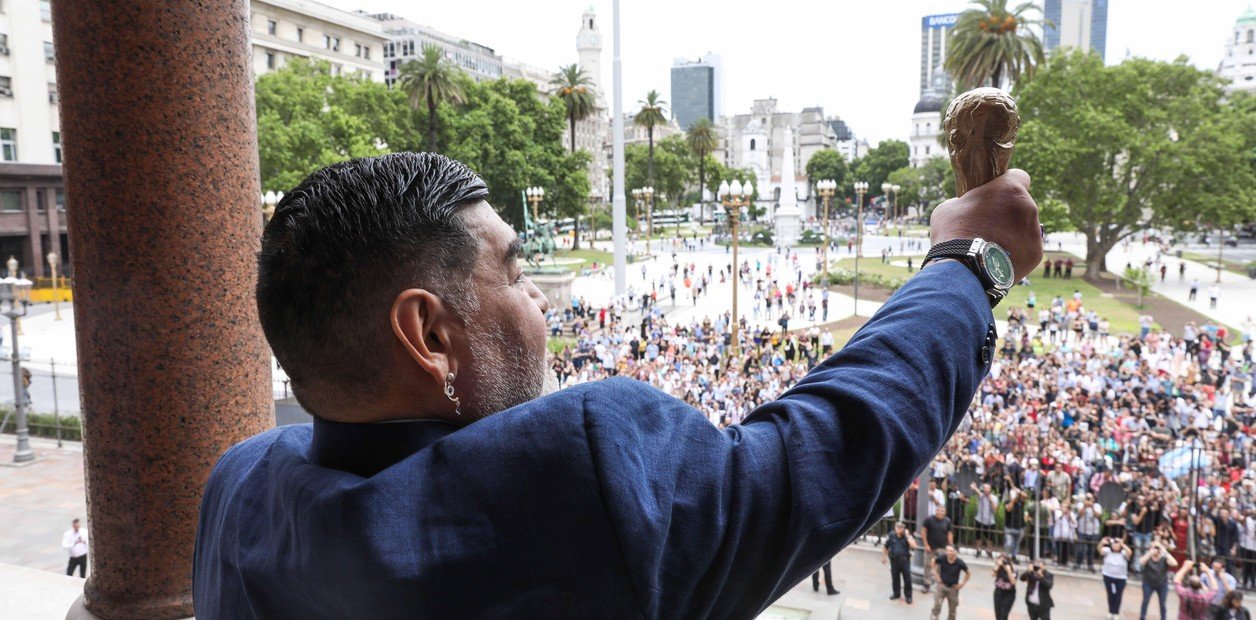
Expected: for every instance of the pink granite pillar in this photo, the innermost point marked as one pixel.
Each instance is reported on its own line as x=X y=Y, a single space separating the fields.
x=162 y=182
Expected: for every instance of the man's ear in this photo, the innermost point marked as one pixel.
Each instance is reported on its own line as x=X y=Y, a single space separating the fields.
x=428 y=330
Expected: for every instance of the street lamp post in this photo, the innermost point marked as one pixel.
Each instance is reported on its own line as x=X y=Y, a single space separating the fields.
x=14 y=298
x=898 y=209
x=646 y=195
x=861 y=187
x=269 y=200
x=56 y=300
x=827 y=188
x=735 y=197
x=535 y=196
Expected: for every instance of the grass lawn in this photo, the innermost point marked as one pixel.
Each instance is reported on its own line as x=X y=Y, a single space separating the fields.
x=873 y=264
x=1123 y=317
x=588 y=256
x=1211 y=260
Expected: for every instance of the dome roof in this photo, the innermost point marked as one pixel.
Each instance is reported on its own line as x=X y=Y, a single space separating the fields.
x=929 y=103
x=1248 y=17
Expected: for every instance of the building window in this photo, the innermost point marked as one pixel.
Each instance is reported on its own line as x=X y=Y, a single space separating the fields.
x=4 y=44
x=8 y=144
x=300 y=34
x=6 y=86
x=56 y=146
x=49 y=54
x=335 y=44
x=752 y=144
x=926 y=150
x=272 y=26
x=11 y=200
x=366 y=52
x=327 y=41
x=1251 y=36
x=53 y=97
x=59 y=196
x=270 y=60
x=357 y=50
x=40 y=197
x=45 y=10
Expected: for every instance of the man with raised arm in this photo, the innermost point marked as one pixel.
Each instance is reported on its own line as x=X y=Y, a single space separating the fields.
x=441 y=478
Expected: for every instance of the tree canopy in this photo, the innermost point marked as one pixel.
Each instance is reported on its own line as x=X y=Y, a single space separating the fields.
x=1143 y=143
x=992 y=44
x=308 y=119
x=505 y=131
x=828 y=164
x=875 y=166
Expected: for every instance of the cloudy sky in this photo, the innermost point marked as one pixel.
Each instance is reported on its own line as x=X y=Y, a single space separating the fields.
x=860 y=60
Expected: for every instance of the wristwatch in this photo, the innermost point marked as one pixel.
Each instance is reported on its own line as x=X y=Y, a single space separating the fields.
x=991 y=263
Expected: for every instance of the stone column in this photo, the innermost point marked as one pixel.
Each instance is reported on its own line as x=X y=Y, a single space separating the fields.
x=33 y=264
x=161 y=172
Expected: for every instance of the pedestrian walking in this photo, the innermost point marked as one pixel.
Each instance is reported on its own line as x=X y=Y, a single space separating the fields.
x=897 y=553
x=1194 y=290
x=1004 y=587
x=1116 y=558
x=952 y=575
x=74 y=540
x=828 y=579
x=1038 y=602
x=1213 y=292
x=1155 y=565
x=937 y=532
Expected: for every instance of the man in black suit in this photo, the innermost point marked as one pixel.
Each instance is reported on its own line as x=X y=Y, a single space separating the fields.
x=1038 y=594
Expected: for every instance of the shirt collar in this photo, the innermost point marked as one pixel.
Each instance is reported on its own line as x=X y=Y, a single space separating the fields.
x=367 y=449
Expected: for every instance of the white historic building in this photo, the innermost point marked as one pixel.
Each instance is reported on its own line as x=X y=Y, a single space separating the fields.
x=1239 y=63
x=593 y=133
x=758 y=141
x=926 y=123
x=284 y=29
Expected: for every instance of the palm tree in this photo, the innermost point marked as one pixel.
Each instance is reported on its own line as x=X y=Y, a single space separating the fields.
x=431 y=81
x=993 y=44
x=653 y=113
x=575 y=89
x=702 y=139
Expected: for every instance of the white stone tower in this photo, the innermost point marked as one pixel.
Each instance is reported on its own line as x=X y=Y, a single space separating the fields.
x=589 y=45
x=1237 y=65
x=787 y=220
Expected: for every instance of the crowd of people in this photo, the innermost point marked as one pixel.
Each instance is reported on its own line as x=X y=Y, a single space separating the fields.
x=1086 y=448
x=1072 y=453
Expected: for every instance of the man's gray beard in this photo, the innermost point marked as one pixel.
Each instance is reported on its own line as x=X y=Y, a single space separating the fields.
x=506 y=375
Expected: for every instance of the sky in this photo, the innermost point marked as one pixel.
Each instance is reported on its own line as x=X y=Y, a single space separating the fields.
x=859 y=60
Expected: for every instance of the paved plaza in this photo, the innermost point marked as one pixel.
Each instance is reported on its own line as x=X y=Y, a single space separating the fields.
x=38 y=501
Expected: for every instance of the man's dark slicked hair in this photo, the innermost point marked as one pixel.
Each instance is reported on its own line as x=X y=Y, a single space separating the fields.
x=339 y=249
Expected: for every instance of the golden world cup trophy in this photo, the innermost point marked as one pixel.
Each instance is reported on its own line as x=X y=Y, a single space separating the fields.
x=980 y=128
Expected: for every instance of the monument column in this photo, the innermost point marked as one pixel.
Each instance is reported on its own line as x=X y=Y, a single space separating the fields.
x=161 y=175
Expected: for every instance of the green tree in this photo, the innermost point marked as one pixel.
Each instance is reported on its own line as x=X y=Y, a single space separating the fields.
x=702 y=140
x=875 y=167
x=993 y=44
x=1142 y=143
x=573 y=87
x=514 y=139
x=653 y=113
x=308 y=119
x=429 y=82
x=828 y=164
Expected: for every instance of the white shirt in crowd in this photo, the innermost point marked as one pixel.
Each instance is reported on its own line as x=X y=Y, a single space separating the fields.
x=75 y=542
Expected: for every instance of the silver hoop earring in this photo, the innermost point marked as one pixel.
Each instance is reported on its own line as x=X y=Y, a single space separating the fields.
x=449 y=393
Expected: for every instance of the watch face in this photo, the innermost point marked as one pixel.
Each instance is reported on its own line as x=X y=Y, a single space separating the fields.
x=999 y=266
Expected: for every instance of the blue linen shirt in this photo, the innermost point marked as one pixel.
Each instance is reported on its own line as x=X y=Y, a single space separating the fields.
x=609 y=499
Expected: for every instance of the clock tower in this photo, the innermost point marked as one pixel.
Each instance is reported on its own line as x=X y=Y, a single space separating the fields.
x=589 y=45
